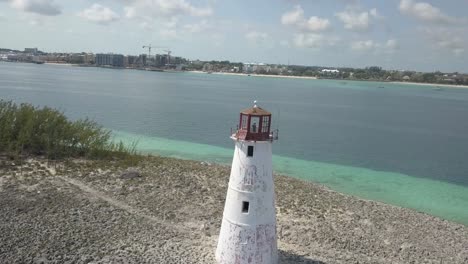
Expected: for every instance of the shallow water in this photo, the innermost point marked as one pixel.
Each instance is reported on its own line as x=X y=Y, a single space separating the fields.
x=442 y=199
x=402 y=144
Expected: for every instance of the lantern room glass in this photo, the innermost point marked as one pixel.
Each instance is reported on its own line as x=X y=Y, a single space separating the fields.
x=244 y=122
x=254 y=124
x=265 y=124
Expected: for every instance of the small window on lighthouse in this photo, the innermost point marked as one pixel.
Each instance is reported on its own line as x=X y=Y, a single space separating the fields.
x=250 y=151
x=245 y=207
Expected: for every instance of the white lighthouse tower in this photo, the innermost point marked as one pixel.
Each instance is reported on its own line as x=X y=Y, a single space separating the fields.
x=248 y=230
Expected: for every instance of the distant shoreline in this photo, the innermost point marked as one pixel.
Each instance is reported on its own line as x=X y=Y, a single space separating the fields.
x=434 y=84
x=290 y=77
x=61 y=64
x=315 y=78
x=259 y=75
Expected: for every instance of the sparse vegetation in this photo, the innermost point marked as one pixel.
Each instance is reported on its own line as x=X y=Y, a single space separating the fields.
x=29 y=130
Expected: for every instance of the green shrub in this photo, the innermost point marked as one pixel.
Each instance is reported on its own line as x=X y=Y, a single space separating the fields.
x=29 y=130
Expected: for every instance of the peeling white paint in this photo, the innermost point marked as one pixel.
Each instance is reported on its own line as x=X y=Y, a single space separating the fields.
x=249 y=237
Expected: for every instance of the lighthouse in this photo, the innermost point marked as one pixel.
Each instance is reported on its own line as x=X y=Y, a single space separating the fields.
x=248 y=228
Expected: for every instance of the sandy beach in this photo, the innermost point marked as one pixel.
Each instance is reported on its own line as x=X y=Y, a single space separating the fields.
x=433 y=84
x=315 y=78
x=61 y=64
x=258 y=75
x=169 y=211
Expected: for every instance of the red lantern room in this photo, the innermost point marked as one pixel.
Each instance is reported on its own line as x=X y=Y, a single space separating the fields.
x=255 y=125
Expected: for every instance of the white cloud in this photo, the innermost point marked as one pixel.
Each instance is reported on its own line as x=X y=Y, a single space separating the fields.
x=36 y=21
x=142 y=8
x=392 y=44
x=293 y=17
x=363 y=45
x=313 y=40
x=296 y=18
x=99 y=14
x=284 y=43
x=256 y=37
x=146 y=26
x=456 y=45
x=197 y=27
x=389 y=47
x=357 y=21
x=164 y=15
x=443 y=40
x=425 y=12
x=373 y=12
x=168 y=34
x=41 y=7
x=171 y=22
x=218 y=39
x=308 y=40
x=316 y=24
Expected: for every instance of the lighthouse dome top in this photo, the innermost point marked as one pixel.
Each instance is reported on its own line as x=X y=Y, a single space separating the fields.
x=255 y=111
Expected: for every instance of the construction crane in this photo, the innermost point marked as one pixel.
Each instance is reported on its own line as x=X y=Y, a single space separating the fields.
x=149 y=47
x=168 y=56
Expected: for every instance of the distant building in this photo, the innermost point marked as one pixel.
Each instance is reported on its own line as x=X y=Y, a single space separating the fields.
x=89 y=58
x=141 y=59
x=250 y=67
x=160 y=59
x=406 y=78
x=207 y=67
x=449 y=80
x=76 y=58
x=125 y=61
x=32 y=51
x=132 y=60
x=197 y=62
x=103 y=59
x=177 y=60
x=330 y=71
x=12 y=57
x=115 y=60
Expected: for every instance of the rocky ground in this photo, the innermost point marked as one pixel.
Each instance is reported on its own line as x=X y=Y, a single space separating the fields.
x=169 y=211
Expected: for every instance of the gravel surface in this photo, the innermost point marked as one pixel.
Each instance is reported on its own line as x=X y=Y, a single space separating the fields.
x=169 y=211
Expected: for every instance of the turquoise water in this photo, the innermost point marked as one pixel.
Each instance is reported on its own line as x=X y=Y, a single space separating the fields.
x=448 y=201
x=401 y=144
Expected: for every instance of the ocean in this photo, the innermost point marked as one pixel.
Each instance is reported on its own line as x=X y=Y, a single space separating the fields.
x=401 y=144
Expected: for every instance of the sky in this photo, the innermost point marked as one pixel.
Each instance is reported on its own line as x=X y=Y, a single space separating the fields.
x=423 y=35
